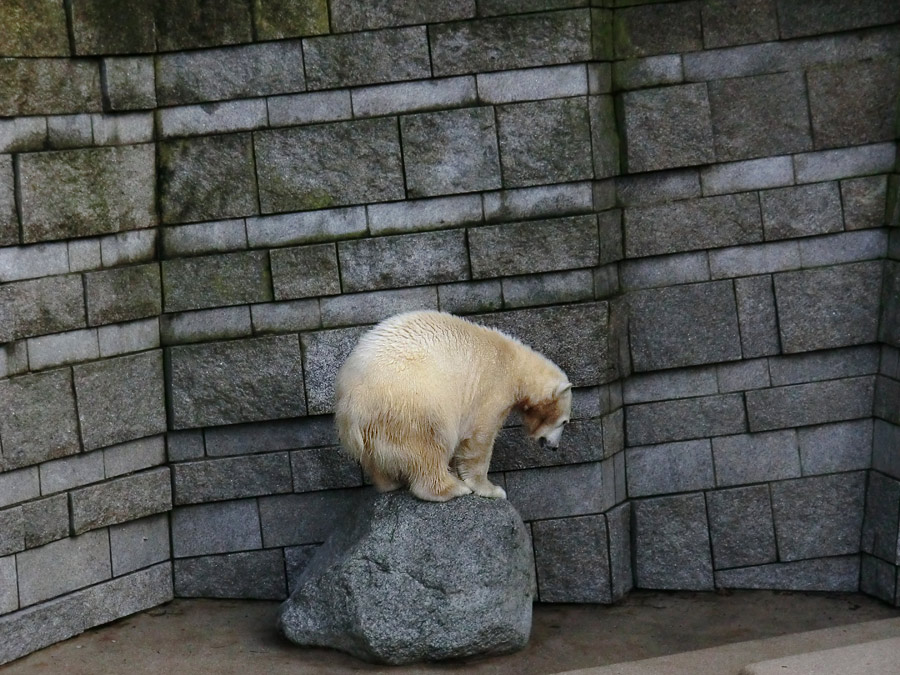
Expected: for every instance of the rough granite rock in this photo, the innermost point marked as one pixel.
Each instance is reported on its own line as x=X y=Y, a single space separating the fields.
x=402 y=580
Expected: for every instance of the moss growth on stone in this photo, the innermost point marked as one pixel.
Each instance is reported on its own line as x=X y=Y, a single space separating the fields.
x=33 y=28
x=277 y=19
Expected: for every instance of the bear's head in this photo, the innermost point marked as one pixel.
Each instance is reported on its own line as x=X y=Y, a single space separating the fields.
x=545 y=419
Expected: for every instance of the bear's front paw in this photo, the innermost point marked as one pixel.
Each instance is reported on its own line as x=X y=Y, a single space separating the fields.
x=490 y=491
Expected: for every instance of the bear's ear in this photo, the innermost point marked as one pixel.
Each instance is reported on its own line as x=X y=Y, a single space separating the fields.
x=562 y=389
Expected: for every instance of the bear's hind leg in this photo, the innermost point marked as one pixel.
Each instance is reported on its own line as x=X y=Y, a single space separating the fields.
x=430 y=477
x=381 y=480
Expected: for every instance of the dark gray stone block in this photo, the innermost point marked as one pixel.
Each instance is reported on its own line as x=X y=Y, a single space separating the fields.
x=120 y=500
x=305 y=271
x=801 y=211
x=757 y=316
x=231 y=478
x=667 y=127
x=878 y=578
x=544 y=142
x=195 y=24
x=797 y=18
x=885 y=441
x=45 y=520
x=681 y=268
x=887 y=399
x=62 y=567
x=207 y=529
x=846 y=446
x=325 y=165
x=657 y=29
x=710 y=222
x=380 y=561
x=127 y=29
x=558 y=491
x=605 y=142
x=77 y=193
x=741 y=527
x=139 y=543
x=308 y=518
x=684 y=326
x=205 y=325
x=324 y=352
x=403 y=260
x=352 y=16
x=216 y=280
x=760 y=116
x=362 y=308
x=49 y=86
x=650 y=423
x=207 y=178
x=42 y=34
x=824 y=365
x=270 y=436
x=809 y=404
x=828 y=307
x=881 y=525
x=12 y=531
x=40 y=420
x=756 y=458
x=323 y=469
x=238 y=381
x=864 y=202
x=726 y=24
x=670 y=384
x=671 y=541
x=669 y=467
x=276 y=19
x=41 y=306
x=296 y=559
x=9 y=219
x=581 y=442
x=819 y=516
x=839 y=574
x=123 y=294
x=535 y=246
x=470 y=297
x=658 y=187
x=120 y=399
x=256 y=575
x=505 y=43
x=572 y=560
x=130 y=82
x=618 y=522
x=450 y=151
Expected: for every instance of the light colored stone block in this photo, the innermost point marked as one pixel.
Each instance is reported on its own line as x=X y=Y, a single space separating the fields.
x=212 y=237
x=22 y=133
x=47 y=351
x=124 y=338
x=125 y=458
x=390 y=99
x=9 y=593
x=753 y=174
x=19 y=486
x=812 y=167
x=306 y=227
x=212 y=118
x=139 y=544
x=324 y=106
x=363 y=308
x=424 y=214
x=84 y=254
x=128 y=247
x=30 y=262
x=532 y=84
x=122 y=129
x=63 y=566
x=533 y=202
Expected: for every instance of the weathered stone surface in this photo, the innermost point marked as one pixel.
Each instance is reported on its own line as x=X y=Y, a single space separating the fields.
x=352 y=16
x=48 y=351
x=9 y=595
x=194 y=24
x=136 y=336
x=819 y=516
x=41 y=306
x=323 y=469
x=657 y=29
x=470 y=297
x=845 y=446
x=667 y=127
x=572 y=560
x=120 y=399
x=801 y=211
x=559 y=491
x=403 y=260
x=206 y=325
x=125 y=28
x=864 y=201
x=691 y=224
x=324 y=352
x=307 y=518
x=34 y=29
x=550 y=289
x=684 y=326
x=669 y=467
x=40 y=421
x=681 y=419
x=757 y=316
x=536 y=202
x=840 y=574
x=581 y=442
x=450 y=151
x=305 y=271
x=358 y=308
x=139 y=544
x=756 y=458
x=880 y=525
x=257 y=575
x=63 y=566
x=811 y=167
x=12 y=531
x=532 y=83
x=414 y=610
x=798 y=18
x=70 y=472
x=671 y=542
x=878 y=578
x=314 y=167
x=271 y=435
x=9 y=219
x=540 y=39
x=45 y=520
x=222 y=527
x=670 y=384
x=544 y=142
x=207 y=178
x=808 y=404
x=132 y=456
x=285 y=317
x=536 y=246
x=828 y=307
x=130 y=82
x=741 y=527
x=216 y=280
x=277 y=19
x=120 y=500
x=726 y=24
x=48 y=86
x=760 y=116
x=84 y=192
x=231 y=478
x=123 y=294
x=885 y=439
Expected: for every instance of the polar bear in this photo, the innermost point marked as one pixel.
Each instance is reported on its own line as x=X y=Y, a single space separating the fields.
x=423 y=394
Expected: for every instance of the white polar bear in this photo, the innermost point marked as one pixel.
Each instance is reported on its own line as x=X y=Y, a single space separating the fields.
x=423 y=395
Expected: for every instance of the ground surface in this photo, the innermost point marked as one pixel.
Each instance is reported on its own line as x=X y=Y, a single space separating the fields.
x=221 y=636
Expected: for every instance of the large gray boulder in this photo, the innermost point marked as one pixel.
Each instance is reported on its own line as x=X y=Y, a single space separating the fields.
x=402 y=580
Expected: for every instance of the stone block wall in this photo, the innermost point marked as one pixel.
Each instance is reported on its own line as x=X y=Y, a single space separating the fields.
x=690 y=206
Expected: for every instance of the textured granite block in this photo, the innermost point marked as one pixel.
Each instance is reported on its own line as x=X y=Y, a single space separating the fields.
x=885 y=441
x=205 y=325
x=237 y=381
x=864 y=202
x=308 y=518
x=34 y=30
x=307 y=227
x=231 y=478
x=84 y=192
x=122 y=128
x=605 y=143
x=450 y=151
x=39 y=306
x=194 y=24
x=887 y=399
x=128 y=248
x=667 y=127
x=683 y=326
x=362 y=308
x=136 y=336
x=878 y=578
x=424 y=214
x=827 y=365
x=801 y=211
x=305 y=271
x=670 y=384
x=505 y=43
x=183 y=445
x=84 y=254
x=49 y=87
x=741 y=527
x=40 y=420
x=760 y=116
x=757 y=316
x=295 y=109
x=31 y=262
x=276 y=19
x=351 y=16
x=658 y=187
x=21 y=134
x=9 y=218
x=19 y=486
x=207 y=178
x=743 y=375
x=215 y=237
x=403 y=260
x=726 y=220
x=45 y=520
x=657 y=29
x=819 y=516
x=407 y=97
x=756 y=458
x=669 y=467
x=650 y=71
x=740 y=261
x=548 y=289
x=9 y=589
x=139 y=544
x=324 y=352
x=813 y=167
x=125 y=458
x=572 y=560
x=207 y=529
x=314 y=167
x=671 y=543
x=63 y=566
x=582 y=442
x=285 y=317
x=557 y=491
x=751 y=174
x=12 y=531
x=272 y=435
x=889 y=330
x=14 y=358
x=880 y=525
x=809 y=404
x=664 y=421
x=618 y=521
x=68 y=473
x=120 y=500
x=544 y=142
x=48 y=351
x=126 y=28
x=537 y=246
x=256 y=575
x=296 y=559
x=134 y=384
x=123 y=294
x=683 y=268
x=726 y=24
x=828 y=307
x=470 y=297
x=323 y=469
x=212 y=118
x=797 y=18
x=840 y=574
x=532 y=83
x=129 y=82
x=367 y=58
x=216 y=280
x=536 y=202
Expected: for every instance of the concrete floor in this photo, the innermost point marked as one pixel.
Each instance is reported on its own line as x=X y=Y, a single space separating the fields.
x=190 y=637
